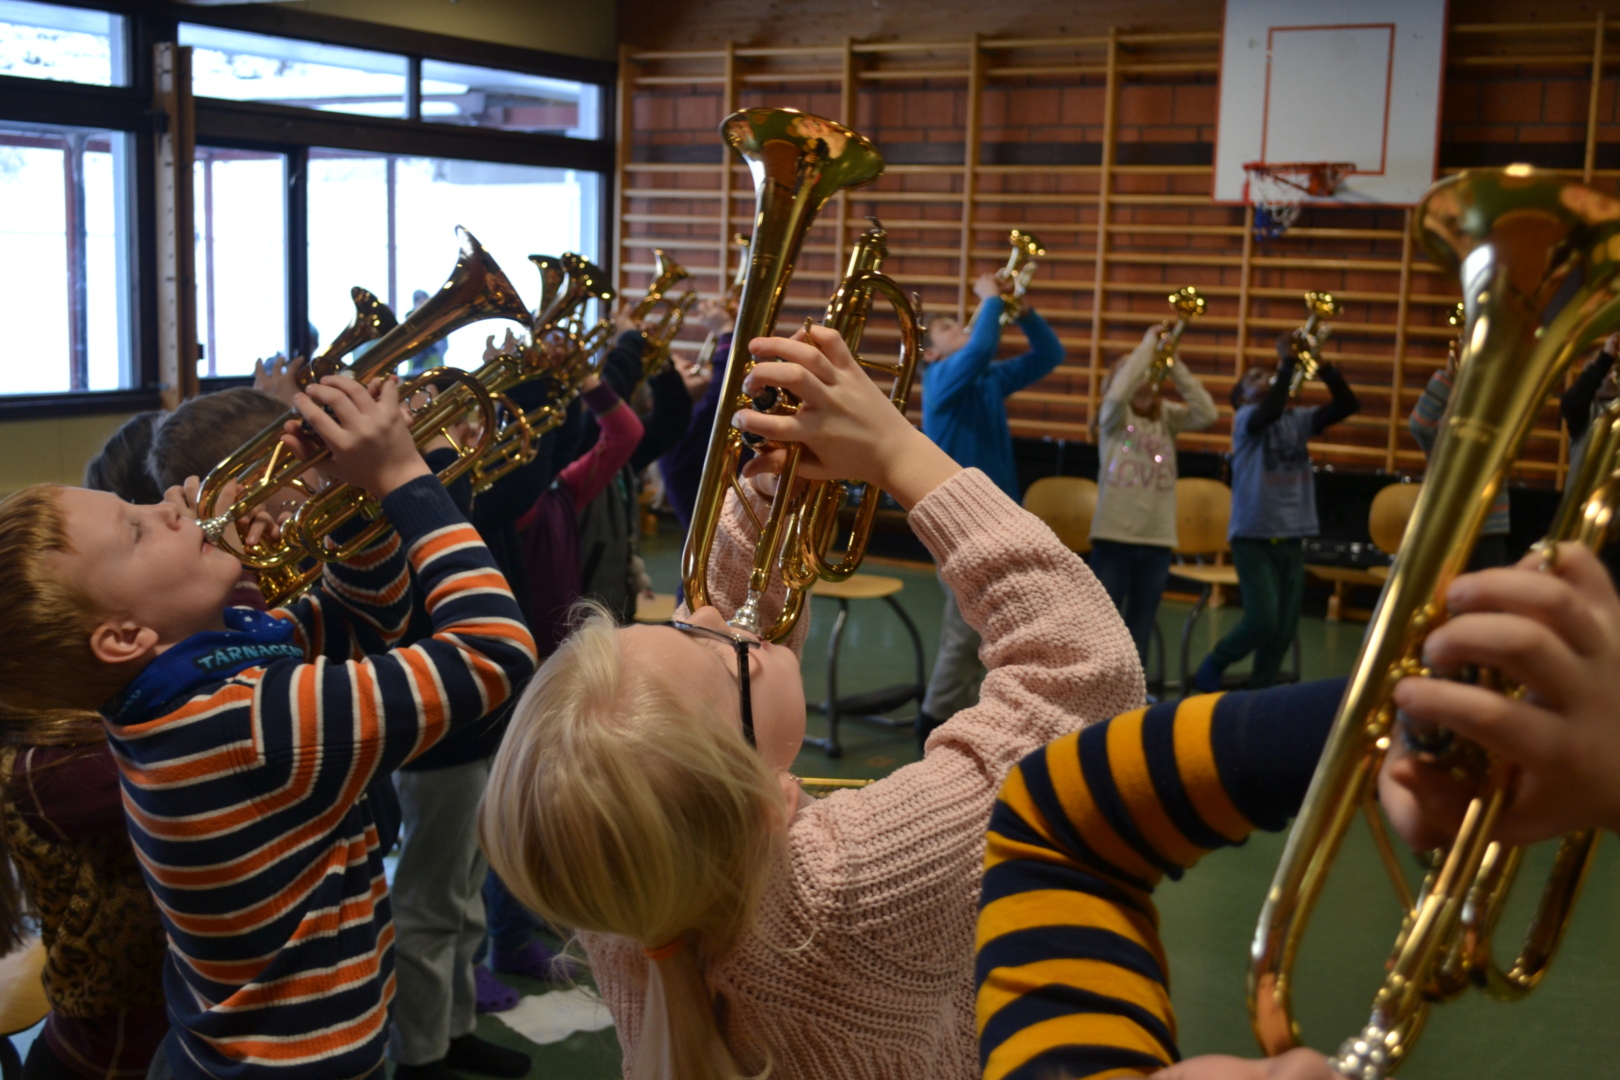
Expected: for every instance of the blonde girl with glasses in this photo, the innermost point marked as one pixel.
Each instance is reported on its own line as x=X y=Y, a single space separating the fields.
x=733 y=925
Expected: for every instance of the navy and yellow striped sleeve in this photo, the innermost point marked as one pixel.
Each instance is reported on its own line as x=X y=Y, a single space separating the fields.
x=1072 y=977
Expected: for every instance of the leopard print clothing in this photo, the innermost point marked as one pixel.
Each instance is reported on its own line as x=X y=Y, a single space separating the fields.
x=104 y=943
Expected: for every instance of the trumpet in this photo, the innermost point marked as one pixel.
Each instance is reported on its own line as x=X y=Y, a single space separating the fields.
x=264 y=469
x=798 y=162
x=1187 y=305
x=705 y=353
x=1539 y=260
x=659 y=339
x=372 y=319
x=559 y=350
x=1307 y=340
x=1021 y=266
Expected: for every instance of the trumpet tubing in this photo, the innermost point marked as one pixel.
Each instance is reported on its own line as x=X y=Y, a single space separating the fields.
x=659 y=339
x=798 y=162
x=558 y=350
x=476 y=289
x=1539 y=261
x=1020 y=268
x=1319 y=307
x=1187 y=305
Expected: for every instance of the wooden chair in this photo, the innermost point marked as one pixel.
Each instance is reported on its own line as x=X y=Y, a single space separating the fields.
x=1203 y=512
x=22 y=1000
x=1386 y=522
x=1067 y=504
x=1390 y=513
x=867 y=704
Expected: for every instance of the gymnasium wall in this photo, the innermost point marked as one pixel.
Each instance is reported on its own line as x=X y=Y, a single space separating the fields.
x=1101 y=146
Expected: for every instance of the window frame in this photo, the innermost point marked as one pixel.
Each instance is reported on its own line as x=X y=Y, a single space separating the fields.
x=292 y=131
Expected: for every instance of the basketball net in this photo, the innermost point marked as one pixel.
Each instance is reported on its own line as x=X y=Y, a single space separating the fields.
x=1276 y=191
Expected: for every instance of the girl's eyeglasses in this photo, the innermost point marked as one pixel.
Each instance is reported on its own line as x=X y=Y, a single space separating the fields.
x=741 y=645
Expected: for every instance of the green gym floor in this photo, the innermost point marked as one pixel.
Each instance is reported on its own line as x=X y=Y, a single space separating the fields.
x=1208 y=917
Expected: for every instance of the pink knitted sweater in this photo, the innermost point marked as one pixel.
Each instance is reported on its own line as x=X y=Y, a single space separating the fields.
x=861 y=964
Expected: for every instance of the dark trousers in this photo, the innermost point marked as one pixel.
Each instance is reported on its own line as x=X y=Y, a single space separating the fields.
x=511 y=926
x=1134 y=576
x=1271 y=579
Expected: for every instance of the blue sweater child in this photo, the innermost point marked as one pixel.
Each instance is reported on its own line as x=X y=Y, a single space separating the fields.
x=965 y=391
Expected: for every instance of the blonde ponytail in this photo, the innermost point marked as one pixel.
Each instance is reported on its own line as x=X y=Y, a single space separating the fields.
x=617 y=805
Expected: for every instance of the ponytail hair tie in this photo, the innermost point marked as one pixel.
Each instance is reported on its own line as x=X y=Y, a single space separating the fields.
x=663 y=952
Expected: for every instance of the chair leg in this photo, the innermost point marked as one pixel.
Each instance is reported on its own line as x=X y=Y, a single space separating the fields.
x=832 y=746
x=1186 y=637
x=1155 y=671
x=916 y=647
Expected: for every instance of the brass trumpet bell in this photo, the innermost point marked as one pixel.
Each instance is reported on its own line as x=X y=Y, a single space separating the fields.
x=1020 y=268
x=660 y=338
x=372 y=319
x=559 y=350
x=1187 y=306
x=1319 y=307
x=1538 y=259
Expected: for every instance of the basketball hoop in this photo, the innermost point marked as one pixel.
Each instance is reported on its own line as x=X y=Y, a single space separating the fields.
x=1276 y=190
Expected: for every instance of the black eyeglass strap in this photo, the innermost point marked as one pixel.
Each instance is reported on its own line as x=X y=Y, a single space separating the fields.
x=747 y=696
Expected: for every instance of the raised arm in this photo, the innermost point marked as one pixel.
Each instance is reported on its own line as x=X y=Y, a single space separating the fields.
x=1045 y=353
x=1126 y=381
x=1196 y=410
x=1424 y=423
x=621 y=429
x=682 y=464
x=1073 y=979
x=666 y=422
x=380 y=711
x=1058 y=658
x=952 y=375
x=1270 y=408
x=1344 y=403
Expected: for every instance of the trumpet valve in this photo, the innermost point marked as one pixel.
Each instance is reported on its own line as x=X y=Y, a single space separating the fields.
x=772 y=400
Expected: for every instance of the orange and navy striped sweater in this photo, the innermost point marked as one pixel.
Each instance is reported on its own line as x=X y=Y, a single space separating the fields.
x=1072 y=977
x=245 y=794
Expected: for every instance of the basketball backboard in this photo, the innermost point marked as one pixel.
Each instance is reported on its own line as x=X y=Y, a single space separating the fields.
x=1322 y=80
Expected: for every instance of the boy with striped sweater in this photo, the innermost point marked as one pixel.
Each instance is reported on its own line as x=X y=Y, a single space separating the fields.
x=246 y=741
x=1072 y=975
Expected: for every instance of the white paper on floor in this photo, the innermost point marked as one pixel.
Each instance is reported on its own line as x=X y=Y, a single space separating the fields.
x=552 y=1017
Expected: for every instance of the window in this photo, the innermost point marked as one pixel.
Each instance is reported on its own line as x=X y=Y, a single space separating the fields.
x=388 y=224
x=240 y=201
x=64 y=228
x=482 y=97
x=63 y=44
x=282 y=71
x=341 y=154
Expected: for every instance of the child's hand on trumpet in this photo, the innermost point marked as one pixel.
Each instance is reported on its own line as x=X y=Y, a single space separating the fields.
x=1556 y=634
x=364 y=428
x=846 y=428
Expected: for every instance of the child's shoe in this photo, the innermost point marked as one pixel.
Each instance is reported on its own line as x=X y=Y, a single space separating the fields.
x=472 y=1054
x=493 y=995
x=1208 y=679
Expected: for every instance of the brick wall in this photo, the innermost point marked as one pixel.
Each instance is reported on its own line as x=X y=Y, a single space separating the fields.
x=1041 y=138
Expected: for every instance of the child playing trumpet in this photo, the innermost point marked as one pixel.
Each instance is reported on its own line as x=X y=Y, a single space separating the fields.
x=643 y=796
x=245 y=741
